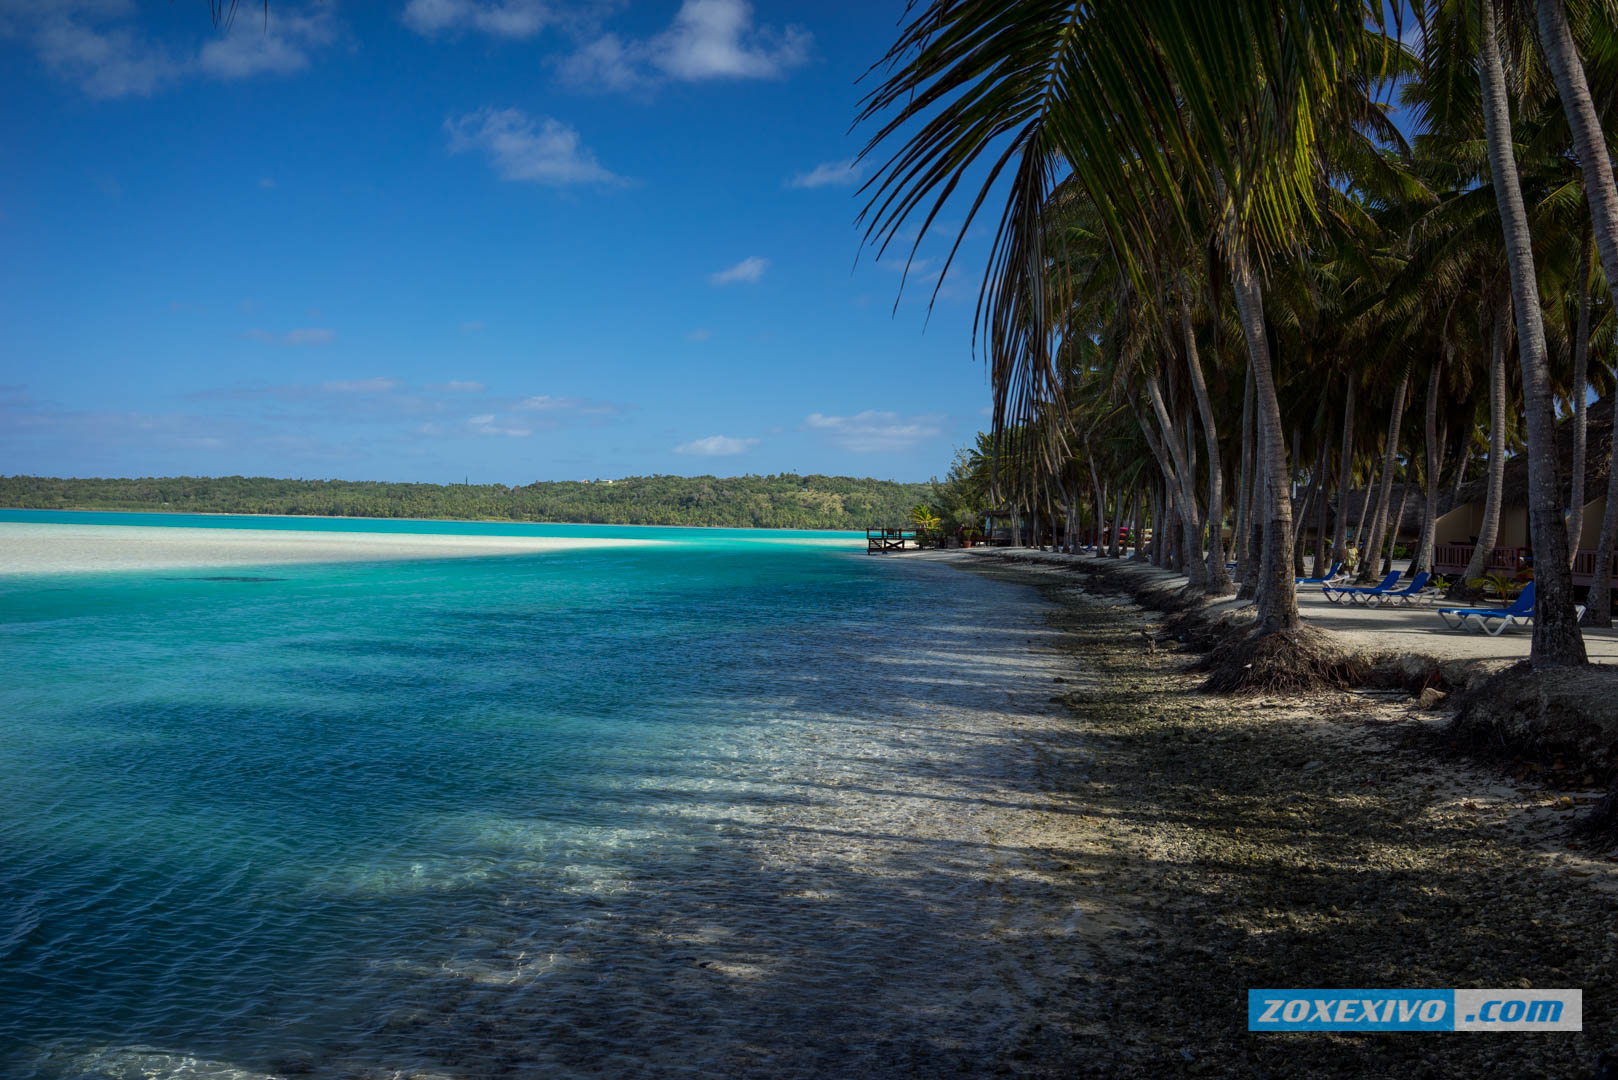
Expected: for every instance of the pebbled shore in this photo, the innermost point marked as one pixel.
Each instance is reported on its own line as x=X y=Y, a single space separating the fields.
x=1315 y=841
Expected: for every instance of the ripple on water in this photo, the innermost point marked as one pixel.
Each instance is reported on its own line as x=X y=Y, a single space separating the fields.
x=757 y=843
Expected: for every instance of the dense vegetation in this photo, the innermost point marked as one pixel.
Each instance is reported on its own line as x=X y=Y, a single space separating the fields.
x=1252 y=253
x=785 y=501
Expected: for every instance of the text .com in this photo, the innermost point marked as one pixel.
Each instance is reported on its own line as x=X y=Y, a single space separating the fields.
x=1415 y=1010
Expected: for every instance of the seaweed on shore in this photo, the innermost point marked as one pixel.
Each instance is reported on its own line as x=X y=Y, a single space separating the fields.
x=1303 y=840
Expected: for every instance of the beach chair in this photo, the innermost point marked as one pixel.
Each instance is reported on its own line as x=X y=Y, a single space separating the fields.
x=1360 y=594
x=1410 y=594
x=1331 y=576
x=1494 y=620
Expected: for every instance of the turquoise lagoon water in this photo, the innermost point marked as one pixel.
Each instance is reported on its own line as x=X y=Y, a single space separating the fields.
x=291 y=816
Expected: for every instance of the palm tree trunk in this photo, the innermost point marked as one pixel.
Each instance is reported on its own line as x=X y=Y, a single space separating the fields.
x=1175 y=557
x=1252 y=580
x=1194 y=544
x=1424 y=555
x=1163 y=492
x=1322 y=560
x=1294 y=482
x=1463 y=455
x=1313 y=496
x=1397 y=524
x=1316 y=492
x=1489 y=530
x=1581 y=371
x=1322 y=496
x=1600 y=598
x=1277 y=600
x=1196 y=568
x=1557 y=639
x=1117 y=515
x=1385 y=493
x=1183 y=480
x=1101 y=498
x=1244 y=493
x=1135 y=540
x=1158 y=514
x=1071 y=497
x=1218 y=578
x=1429 y=520
x=1581 y=379
x=1359 y=526
x=1303 y=507
x=1602 y=230
x=1345 y=469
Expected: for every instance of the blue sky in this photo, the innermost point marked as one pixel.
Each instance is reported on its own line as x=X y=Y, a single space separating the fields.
x=433 y=239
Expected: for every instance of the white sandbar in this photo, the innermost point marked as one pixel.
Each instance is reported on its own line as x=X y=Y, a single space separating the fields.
x=66 y=549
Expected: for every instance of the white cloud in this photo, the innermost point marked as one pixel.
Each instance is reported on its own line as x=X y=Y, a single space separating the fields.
x=276 y=46
x=872 y=431
x=900 y=264
x=828 y=174
x=715 y=39
x=546 y=152
x=485 y=425
x=266 y=182
x=606 y=64
x=709 y=39
x=509 y=19
x=93 y=46
x=109 y=63
x=716 y=446
x=458 y=386
x=360 y=386
x=749 y=270
x=699 y=334
x=310 y=336
x=546 y=403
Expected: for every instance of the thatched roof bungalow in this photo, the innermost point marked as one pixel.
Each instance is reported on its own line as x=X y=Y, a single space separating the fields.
x=1415 y=506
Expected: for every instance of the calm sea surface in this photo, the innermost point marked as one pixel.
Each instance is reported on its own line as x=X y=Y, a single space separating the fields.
x=280 y=817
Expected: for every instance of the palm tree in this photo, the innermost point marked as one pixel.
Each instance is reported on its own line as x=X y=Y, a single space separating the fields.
x=1112 y=94
x=1557 y=640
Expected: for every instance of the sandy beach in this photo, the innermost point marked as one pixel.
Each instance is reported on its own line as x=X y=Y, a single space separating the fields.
x=1396 y=629
x=67 y=549
x=1326 y=839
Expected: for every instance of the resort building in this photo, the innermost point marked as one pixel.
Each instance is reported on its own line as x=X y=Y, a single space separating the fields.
x=1458 y=528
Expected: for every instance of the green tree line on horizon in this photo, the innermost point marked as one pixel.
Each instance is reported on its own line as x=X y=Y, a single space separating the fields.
x=782 y=501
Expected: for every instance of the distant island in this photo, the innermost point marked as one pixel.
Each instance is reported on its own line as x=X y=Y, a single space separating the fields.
x=784 y=501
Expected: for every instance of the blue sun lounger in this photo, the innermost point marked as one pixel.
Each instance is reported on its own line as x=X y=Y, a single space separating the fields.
x=1336 y=568
x=1410 y=594
x=1495 y=620
x=1360 y=594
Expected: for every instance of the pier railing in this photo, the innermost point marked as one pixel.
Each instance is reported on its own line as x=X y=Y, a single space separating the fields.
x=880 y=540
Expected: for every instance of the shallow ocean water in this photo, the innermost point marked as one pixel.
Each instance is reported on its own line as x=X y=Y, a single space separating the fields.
x=520 y=815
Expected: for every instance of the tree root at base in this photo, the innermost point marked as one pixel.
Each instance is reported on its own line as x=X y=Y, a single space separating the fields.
x=1280 y=661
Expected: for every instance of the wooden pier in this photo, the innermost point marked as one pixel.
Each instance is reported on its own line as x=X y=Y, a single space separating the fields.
x=878 y=541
